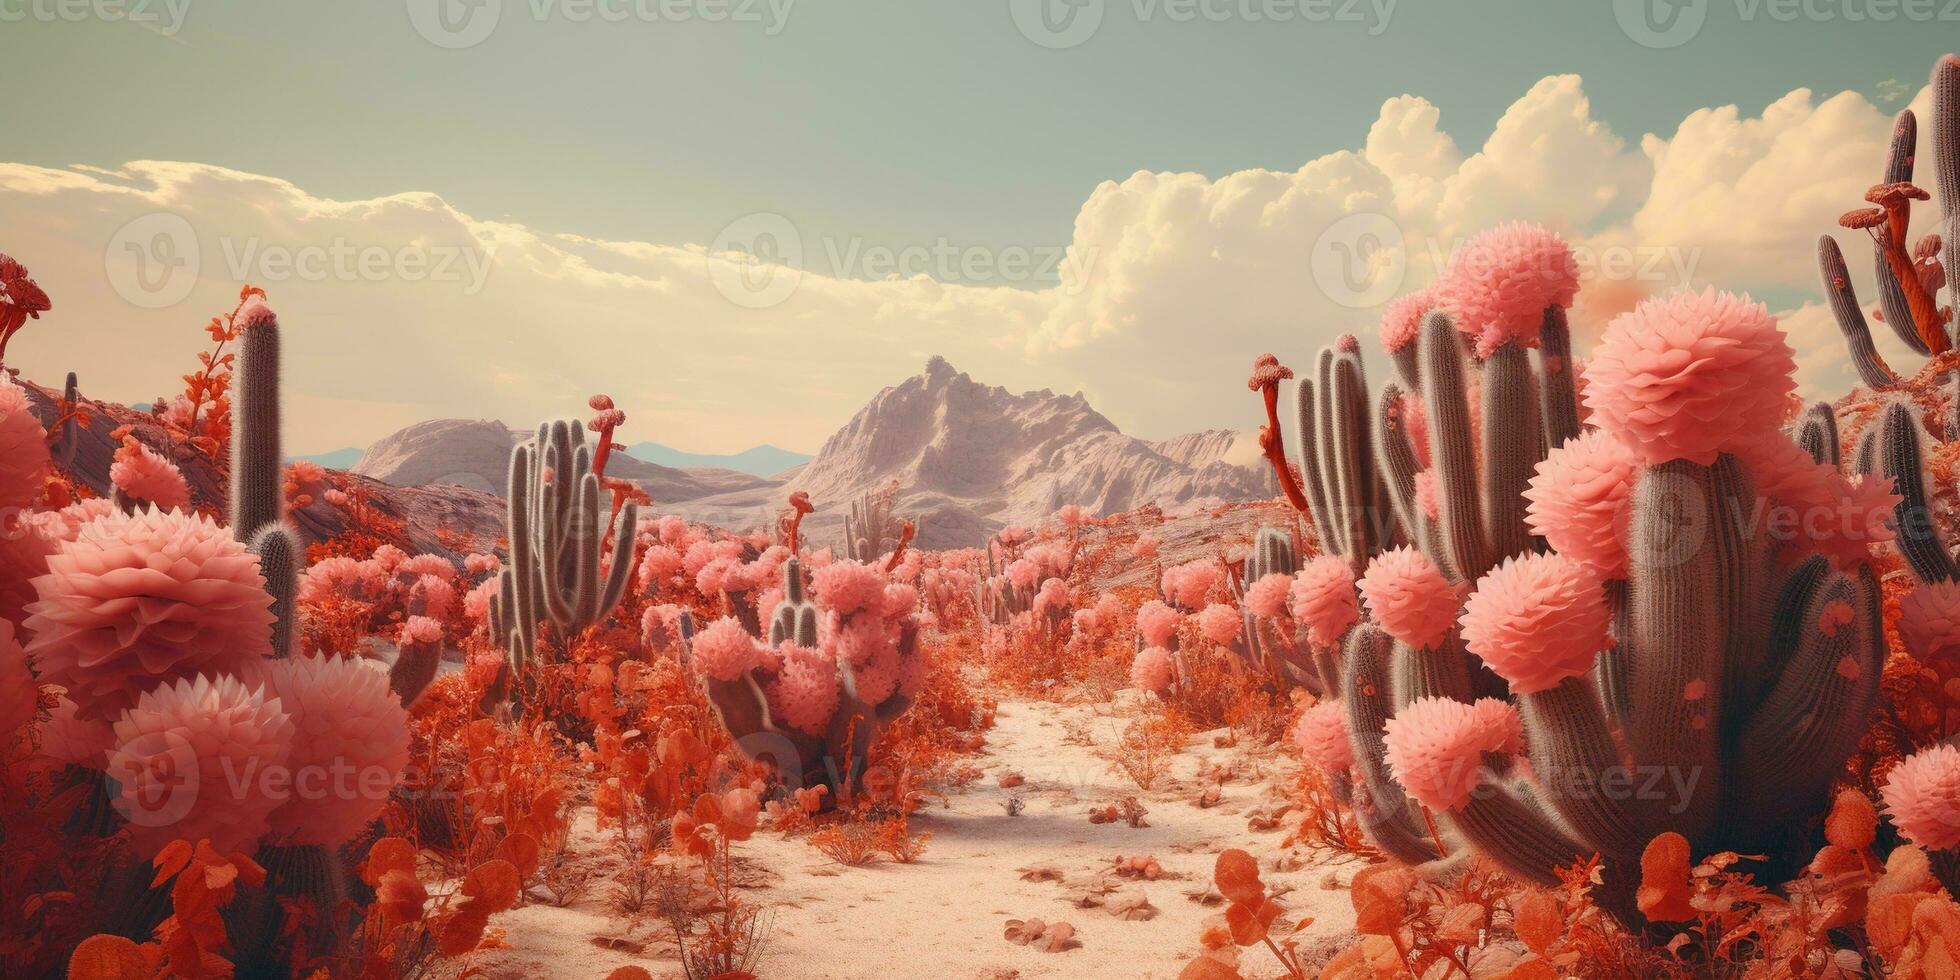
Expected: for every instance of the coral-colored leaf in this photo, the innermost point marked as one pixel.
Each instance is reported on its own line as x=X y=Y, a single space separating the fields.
x=1250 y=921
x=1206 y=968
x=1537 y=921
x=1665 y=891
x=1237 y=875
x=521 y=850
x=106 y=957
x=1853 y=822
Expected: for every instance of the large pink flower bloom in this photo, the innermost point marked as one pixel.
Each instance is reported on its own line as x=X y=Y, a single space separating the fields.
x=1324 y=599
x=350 y=742
x=805 y=692
x=1929 y=623
x=200 y=759
x=1267 y=598
x=1579 y=501
x=1922 y=796
x=23 y=449
x=847 y=586
x=26 y=541
x=1189 y=583
x=1501 y=282
x=138 y=601
x=1408 y=595
x=1817 y=507
x=1322 y=735
x=1537 y=620
x=724 y=650
x=1436 y=747
x=144 y=476
x=1691 y=375
x=1151 y=670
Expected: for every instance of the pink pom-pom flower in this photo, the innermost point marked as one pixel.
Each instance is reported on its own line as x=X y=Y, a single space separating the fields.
x=1402 y=319
x=1922 y=796
x=1221 y=624
x=1157 y=623
x=138 y=601
x=23 y=449
x=144 y=476
x=1407 y=594
x=1322 y=735
x=1691 y=375
x=724 y=650
x=1267 y=598
x=1501 y=282
x=846 y=587
x=1817 y=507
x=1578 y=501
x=1152 y=670
x=1536 y=620
x=1436 y=747
x=199 y=759
x=350 y=743
x=804 y=694
x=1324 y=598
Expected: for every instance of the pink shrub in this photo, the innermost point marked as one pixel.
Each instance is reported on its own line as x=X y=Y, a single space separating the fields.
x=1267 y=598
x=1157 y=623
x=1322 y=735
x=1152 y=670
x=846 y=587
x=805 y=692
x=144 y=476
x=1929 y=624
x=23 y=449
x=1402 y=319
x=1501 y=282
x=1221 y=624
x=1188 y=584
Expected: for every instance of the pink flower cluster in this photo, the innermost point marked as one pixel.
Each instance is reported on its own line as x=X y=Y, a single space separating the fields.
x=1537 y=619
x=1157 y=623
x=1437 y=747
x=1501 y=282
x=1322 y=735
x=1152 y=670
x=1190 y=583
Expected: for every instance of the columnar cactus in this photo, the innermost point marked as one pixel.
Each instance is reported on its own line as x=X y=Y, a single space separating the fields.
x=795 y=619
x=258 y=471
x=557 y=571
x=870 y=528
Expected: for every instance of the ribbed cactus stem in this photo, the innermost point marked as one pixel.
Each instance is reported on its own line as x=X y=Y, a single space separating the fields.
x=1442 y=671
x=1307 y=412
x=795 y=618
x=1610 y=670
x=1557 y=390
x=1864 y=456
x=1817 y=433
x=415 y=666
x=1272 y=554
x=71 y=397
x=1872 y=368
x=1815 y=713
x=1892 y=296
x=519 y=595
x=1675 y=643
x=1366 y=694
x=1742 y=567
x=1516 y=835
x=1408 y=366
x=1513 y=444
x=1794 y=597
x=1946 y=166
x=1900 y=457
x=280 y=558
x=1576 y=762
x=1452 y=448
x=1398 y=458
x=257 y=465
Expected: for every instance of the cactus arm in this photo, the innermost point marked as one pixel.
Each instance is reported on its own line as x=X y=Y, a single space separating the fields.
x=1787 y=621
x=1946 y=166
x=1306 y=402
x=1891 y=295
x=621 y=573
x=1513 y=444
x=1352 y=485
x=1817 y=433
x=71 y=397
x=1900 y=457
x=280 y=557
x=1431 y=672
x=1397 y=459
x=1577 y=764
x=1515 y=834
x=1559 y=395
x=1367 y=696
x=1452 y=449
x=1610 y=670
x=585 y=588
x=1742 y=571
x=1674 y=668
x=1872 y=368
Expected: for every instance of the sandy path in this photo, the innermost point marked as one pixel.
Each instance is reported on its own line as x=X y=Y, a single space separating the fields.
x=942 y=916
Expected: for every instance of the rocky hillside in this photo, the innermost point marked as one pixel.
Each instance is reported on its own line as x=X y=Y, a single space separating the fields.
x=970 y=458
x=476 y=454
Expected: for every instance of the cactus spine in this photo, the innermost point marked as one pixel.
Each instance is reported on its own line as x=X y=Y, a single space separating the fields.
x=258 y=470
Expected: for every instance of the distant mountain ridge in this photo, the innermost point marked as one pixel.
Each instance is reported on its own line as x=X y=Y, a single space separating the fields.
x=339 y=459
x=764 y=460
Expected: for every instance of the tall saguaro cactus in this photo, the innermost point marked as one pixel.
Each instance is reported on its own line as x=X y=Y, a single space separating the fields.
x=258 y=469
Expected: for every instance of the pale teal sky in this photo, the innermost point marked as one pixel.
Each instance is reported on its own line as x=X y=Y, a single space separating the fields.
x=901 y=122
